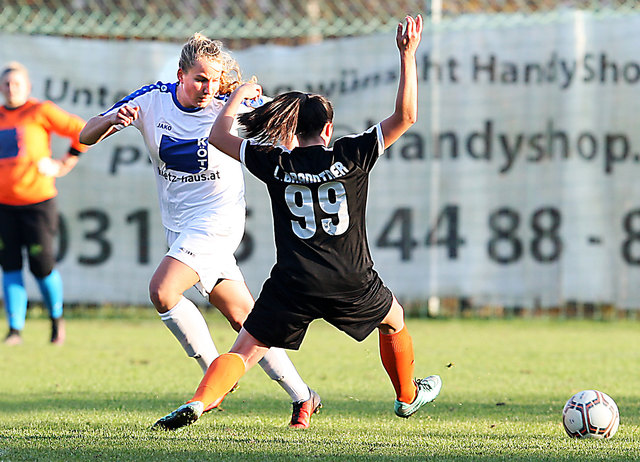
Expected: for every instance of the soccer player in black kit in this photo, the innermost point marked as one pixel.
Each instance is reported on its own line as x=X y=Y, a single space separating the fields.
x=323 y=267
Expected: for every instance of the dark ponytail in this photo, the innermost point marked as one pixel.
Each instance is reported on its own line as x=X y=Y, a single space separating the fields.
x=288 y=114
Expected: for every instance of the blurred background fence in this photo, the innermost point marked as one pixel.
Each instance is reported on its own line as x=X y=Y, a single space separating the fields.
x=250 y=22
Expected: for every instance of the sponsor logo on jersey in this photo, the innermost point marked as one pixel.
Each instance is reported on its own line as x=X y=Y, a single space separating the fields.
x=173 y=178
x=164 y=126
x=189 y=156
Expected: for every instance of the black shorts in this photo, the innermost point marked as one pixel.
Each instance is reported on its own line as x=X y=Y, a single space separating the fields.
x=281 y=316
x=33 y=227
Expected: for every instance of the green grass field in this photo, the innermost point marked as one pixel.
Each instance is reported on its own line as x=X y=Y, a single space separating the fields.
x=505 y=383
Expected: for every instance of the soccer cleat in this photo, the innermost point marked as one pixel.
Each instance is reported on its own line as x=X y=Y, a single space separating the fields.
x=58 y=331
x=303 y=410
x=13 y=338
x=181 y=417
x=428 y=390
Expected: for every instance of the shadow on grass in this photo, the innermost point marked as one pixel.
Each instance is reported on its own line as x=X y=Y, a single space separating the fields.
x=259 y=405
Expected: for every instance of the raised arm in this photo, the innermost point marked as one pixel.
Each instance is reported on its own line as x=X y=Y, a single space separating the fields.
x=406 y=108
x=99 y=127
x=220 y=136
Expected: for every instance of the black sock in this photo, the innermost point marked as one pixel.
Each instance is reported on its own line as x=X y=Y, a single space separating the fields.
x=54 y=328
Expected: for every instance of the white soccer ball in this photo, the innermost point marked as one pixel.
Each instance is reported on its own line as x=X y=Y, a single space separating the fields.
x=590 y=414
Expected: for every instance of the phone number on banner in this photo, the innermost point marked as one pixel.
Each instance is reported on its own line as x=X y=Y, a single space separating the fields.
x=507 y=228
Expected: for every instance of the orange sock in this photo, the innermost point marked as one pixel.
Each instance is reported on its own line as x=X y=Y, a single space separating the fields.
x=221 y=376
x=396 y=352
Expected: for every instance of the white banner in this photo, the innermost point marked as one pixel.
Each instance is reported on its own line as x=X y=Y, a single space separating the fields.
x=517 y=186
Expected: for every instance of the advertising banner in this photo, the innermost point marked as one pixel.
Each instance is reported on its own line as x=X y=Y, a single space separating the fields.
x=517 y=185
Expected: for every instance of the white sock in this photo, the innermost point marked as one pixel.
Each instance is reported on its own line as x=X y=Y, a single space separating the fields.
x=187 y=325
x=278 y=366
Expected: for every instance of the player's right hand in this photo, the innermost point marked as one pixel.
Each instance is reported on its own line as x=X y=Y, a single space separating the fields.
x=49 y=167
x=408 y=38
x=126 y=115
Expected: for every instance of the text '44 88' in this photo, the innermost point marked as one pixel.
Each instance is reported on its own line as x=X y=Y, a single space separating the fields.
x=506 y=227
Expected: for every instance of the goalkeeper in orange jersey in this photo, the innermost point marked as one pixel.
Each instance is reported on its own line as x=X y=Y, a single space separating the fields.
x=28 y=212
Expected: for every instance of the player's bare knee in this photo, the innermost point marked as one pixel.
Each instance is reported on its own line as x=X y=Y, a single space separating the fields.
x=236 y=322
x=160 y=297
x=236 y=313
x=394 y=321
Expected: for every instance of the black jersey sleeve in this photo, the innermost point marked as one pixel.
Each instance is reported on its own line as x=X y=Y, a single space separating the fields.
x=259 y=159
x=363 y=149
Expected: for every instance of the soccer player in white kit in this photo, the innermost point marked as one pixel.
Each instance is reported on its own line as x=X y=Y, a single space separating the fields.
x=201 y=193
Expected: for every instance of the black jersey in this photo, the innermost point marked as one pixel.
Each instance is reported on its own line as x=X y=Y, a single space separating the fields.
x=319 y=200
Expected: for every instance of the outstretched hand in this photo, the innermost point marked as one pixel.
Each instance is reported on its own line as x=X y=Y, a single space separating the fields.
x=405 y=111
x=408 y=38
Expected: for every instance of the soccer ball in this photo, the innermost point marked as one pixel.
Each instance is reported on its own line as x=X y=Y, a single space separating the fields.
x=590 y=414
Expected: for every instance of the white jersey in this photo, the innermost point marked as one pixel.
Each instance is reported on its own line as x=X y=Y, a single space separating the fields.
x=195 y=182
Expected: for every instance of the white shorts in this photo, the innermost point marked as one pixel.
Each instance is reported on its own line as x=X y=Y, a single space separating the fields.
x=208 y=250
